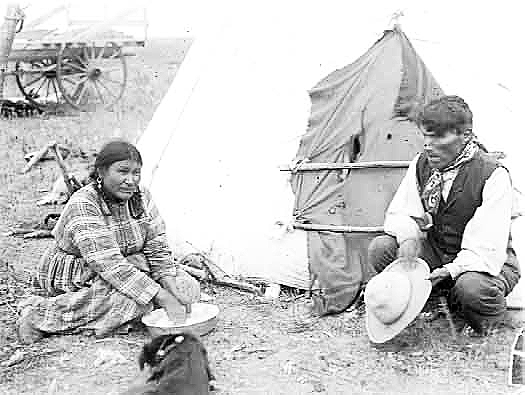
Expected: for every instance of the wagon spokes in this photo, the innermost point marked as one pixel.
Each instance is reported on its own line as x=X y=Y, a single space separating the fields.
x=81 y=68
x=48 y=82
x=55 y=88
x=84 y=88
x=86 y=76
x=35 y=78
x=79 y=60
x=28 y=84
x=99 y=94
x=91 y=76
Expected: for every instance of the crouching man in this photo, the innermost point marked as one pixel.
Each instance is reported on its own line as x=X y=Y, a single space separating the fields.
x=453 y=210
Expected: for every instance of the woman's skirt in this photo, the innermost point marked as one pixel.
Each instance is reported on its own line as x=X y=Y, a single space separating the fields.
x=75 y=298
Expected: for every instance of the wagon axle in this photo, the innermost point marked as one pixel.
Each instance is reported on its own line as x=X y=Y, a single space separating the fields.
x=50 y=74
x=94 y=73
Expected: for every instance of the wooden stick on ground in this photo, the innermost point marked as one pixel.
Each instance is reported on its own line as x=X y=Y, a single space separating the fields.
x=38 y=155
x=198 y=273
x=23 y=356
x=71 y=182
x=223 y=280
x=38 y=234
x=29 y=233
x=239 y=285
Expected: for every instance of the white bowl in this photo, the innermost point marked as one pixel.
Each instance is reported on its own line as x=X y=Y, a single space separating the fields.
x=202 y=319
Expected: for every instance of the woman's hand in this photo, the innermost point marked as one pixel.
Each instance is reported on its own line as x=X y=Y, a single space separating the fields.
x=140 y=261
x=174 y=308
x=184 y=287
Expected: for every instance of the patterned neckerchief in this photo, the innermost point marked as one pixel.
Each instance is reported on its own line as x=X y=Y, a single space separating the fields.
x=431 y=193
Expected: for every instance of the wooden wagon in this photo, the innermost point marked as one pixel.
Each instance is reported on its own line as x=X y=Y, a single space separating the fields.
x=83 y=65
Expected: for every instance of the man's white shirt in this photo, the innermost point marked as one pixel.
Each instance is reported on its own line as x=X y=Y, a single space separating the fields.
x=485 y=239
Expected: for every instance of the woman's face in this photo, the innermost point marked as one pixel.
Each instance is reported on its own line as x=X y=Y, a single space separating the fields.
x=121 y=179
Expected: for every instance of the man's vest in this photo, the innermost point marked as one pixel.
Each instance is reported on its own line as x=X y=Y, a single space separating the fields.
x=464 y=198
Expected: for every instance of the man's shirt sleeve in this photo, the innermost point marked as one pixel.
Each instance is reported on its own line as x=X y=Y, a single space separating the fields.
x=405 y=205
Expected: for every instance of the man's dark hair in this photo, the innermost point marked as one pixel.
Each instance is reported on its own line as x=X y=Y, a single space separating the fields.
x=446 y=113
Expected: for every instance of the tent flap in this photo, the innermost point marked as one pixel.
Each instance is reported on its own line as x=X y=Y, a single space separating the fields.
x=358 y=114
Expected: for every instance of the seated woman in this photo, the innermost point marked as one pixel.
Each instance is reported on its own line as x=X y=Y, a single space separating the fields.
x=110 y=261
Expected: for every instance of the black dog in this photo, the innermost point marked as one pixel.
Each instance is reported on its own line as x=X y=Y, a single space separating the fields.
x=179 y=366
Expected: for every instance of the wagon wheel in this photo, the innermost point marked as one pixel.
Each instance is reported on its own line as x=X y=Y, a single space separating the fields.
x=37 y=80
x=92 y=77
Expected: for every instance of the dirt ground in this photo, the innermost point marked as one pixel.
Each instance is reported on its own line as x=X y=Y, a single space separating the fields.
x=259 y=346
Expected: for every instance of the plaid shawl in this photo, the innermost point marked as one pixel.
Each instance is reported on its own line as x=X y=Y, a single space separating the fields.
x=103 y=267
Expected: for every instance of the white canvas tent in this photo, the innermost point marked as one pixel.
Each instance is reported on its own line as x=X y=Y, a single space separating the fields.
x=239 y=105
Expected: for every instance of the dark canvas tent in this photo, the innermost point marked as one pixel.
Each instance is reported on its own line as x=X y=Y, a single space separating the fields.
x=360 y=114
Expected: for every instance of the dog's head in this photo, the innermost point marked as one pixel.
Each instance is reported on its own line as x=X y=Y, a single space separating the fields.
x=171 y=354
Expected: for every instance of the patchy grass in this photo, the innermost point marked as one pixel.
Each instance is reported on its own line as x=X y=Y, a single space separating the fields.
x=259 y=347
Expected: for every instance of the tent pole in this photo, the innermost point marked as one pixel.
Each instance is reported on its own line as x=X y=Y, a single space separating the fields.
x=338 y=228
x=344 y=166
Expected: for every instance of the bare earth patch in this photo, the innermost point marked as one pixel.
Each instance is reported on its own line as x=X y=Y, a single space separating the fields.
x=259 y=346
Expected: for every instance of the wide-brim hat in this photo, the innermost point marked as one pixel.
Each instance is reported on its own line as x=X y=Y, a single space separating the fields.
x=394 y=297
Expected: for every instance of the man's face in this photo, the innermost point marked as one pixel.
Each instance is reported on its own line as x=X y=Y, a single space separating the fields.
x=443 y=148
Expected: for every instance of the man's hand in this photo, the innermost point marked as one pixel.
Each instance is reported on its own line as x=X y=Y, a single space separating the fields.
x=409 y=248
x=174 y=308
x=439 y=275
